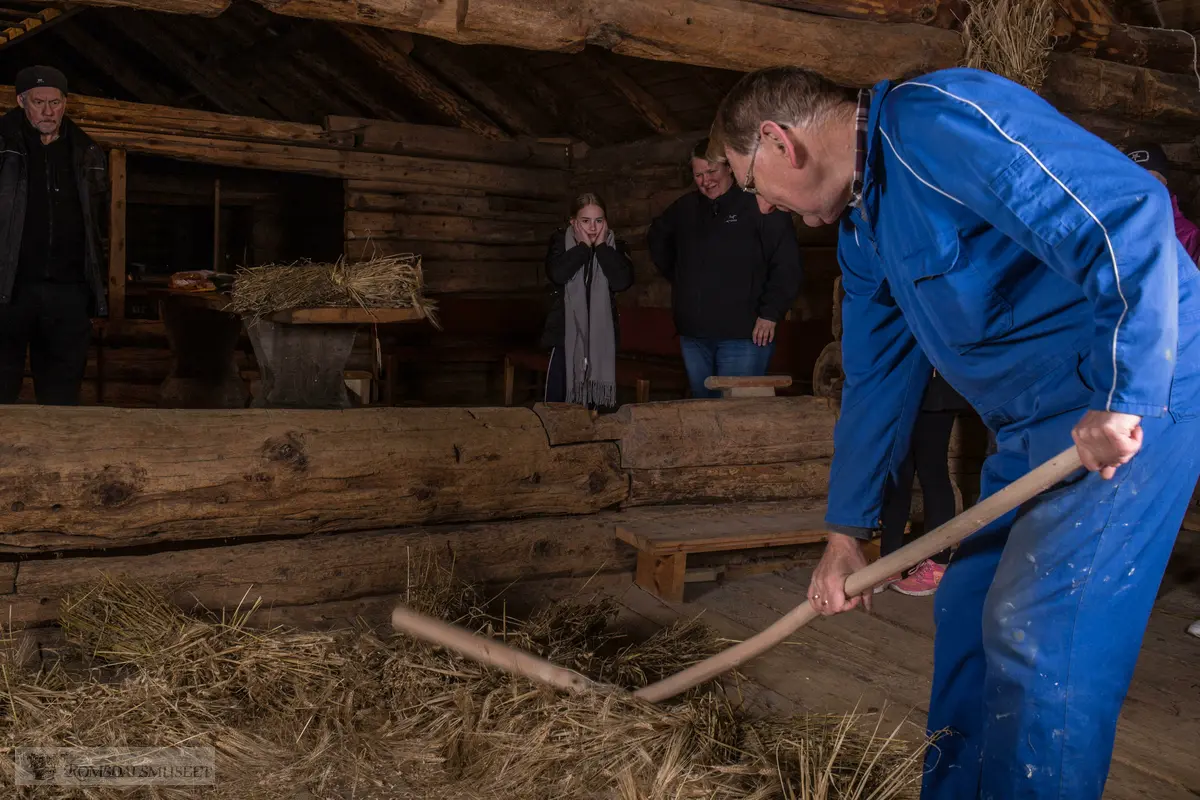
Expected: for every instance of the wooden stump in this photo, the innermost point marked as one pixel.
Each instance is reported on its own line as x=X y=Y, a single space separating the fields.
x=828 y=376
x=302 y=366
x=204 y=371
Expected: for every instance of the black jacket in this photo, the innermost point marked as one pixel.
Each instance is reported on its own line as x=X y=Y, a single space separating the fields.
x=90 y=177
x=561 y=266
x=727 y=262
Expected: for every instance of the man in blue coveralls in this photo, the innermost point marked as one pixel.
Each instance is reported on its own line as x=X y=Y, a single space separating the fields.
x=1036 y=267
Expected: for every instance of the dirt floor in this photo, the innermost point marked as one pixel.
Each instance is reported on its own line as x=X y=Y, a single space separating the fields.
x=834 y=664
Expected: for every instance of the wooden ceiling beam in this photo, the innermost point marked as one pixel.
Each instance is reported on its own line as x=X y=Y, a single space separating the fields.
x=729 y=34
x=439 y=59
x=110 y=61
x=172 y=54
x=648 y=107
x=391 y=59
x=942 y=13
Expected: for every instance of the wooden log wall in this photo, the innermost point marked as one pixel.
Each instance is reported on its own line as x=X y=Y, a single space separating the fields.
x=480 y=241
x=307 y=509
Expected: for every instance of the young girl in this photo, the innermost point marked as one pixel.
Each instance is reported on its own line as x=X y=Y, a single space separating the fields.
x=587 y=265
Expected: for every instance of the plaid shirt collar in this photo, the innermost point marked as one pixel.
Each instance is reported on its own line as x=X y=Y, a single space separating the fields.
x=861 y=115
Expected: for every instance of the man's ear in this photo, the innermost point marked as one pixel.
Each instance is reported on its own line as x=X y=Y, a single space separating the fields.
x=775 y=136
x=21 y=99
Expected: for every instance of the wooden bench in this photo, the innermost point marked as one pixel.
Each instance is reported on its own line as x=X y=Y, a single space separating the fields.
x=663 y=548
x=747 y=386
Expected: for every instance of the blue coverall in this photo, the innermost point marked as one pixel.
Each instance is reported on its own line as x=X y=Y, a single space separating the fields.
x=1036 y=267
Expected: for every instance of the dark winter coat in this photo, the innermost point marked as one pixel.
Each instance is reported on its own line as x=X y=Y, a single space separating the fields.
x=90 y=176
x=728 y=263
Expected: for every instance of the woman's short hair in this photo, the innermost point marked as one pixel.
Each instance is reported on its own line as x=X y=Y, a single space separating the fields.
x=786 y=95
x=587 y=199
x=705 y=151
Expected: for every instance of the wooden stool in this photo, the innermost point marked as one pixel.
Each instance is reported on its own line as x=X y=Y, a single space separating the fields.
x=756 y=386
x=663 y=548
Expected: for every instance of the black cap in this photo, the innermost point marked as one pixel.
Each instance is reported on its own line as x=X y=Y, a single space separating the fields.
x=1149 y=156
x=39 y=76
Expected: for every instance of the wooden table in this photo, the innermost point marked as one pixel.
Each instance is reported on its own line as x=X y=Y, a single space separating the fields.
x=302 y=353
x=203 y=333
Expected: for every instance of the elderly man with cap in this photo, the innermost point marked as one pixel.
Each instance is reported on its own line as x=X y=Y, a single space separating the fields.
x=1035 y=266
x=53 y=201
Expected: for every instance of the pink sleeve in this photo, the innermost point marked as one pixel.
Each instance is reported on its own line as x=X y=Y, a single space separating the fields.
x=1187 y=232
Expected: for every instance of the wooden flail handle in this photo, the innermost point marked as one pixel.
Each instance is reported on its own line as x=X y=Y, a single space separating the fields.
x=487 y=650
x=1010 y=497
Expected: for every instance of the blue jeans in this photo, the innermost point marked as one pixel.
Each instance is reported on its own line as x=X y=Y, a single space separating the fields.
x=1040 y=616
x=724 y=357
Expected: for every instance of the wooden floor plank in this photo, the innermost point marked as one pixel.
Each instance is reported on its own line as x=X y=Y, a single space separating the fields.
x=887 y=657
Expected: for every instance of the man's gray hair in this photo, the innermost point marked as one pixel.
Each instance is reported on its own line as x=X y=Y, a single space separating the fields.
x=789 y=96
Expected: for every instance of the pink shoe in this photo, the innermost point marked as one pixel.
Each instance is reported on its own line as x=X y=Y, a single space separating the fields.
x=883 y=586
x=922 y=581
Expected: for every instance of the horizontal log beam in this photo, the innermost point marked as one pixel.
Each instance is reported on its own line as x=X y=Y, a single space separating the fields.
x=730 y=484
x=743 y=431
x=498 y=208
x=1156 y=48
x=98 y=113
x=942 y=13
x=353 y=165
x=1078 y=84
x=437 y=141
x=741 y=36
x=728 y=34
x=102 y=477
x=486 y=277
x=450 y=228
x=307 y=571
x=444 y=251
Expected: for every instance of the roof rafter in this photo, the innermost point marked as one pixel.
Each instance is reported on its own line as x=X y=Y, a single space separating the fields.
x=381 y=49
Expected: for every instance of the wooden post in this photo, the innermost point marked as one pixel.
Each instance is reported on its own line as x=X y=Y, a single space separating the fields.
x=216 y=225
x=509 y=377
x=116 y=235
x=662 y=575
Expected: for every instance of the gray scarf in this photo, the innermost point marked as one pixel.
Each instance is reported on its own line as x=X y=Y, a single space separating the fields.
x=591 y=348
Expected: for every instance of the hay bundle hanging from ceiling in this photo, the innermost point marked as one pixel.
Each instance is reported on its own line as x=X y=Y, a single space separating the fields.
x=1012 y=38
x=393 y=281
x=334 y=715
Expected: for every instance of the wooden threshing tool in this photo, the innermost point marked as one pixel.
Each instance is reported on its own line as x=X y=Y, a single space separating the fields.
x=510 y=659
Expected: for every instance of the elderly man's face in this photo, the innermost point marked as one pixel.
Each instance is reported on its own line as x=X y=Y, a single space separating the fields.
x=713 y=178
x=44 y=108
x=786 y=175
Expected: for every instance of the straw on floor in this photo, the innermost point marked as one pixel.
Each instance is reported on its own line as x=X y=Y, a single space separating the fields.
x=380 y=282
x=330 y=715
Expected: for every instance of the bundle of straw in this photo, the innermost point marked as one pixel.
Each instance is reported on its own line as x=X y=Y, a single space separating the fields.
x=1011 y=38
x=352 y=714
x=380 y=282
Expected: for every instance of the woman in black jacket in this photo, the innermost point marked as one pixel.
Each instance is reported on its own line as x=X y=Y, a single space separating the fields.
x=587 y=266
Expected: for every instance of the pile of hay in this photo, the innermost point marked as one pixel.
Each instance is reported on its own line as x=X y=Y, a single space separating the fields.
x=380 y=282
x=1012 y=38
x=298 y=715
